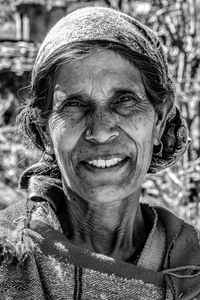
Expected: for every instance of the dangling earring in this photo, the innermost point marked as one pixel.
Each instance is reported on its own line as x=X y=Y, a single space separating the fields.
x=88 y=133
x=48 y=155
x=158 y=149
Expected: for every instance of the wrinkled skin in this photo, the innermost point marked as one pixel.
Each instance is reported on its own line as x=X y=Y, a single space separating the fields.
x=105 y=94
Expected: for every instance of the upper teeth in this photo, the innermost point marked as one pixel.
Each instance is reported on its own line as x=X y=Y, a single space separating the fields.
x=102 y=163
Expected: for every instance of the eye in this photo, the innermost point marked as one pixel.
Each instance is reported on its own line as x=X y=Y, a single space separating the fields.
x=126 y=101
x=75 y=103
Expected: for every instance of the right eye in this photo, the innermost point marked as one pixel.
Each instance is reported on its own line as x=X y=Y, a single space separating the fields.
x=74 y=103
x=74 y=106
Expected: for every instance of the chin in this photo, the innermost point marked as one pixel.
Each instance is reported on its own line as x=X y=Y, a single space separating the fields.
x=104 y=194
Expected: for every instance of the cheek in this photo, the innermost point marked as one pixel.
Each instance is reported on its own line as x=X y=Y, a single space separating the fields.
x=65 y=133
x=139 y=129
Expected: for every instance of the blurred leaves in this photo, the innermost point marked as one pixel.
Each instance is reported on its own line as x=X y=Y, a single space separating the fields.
x=15 y=156
x=178 y=189
x=178 y=25
x=6 y=14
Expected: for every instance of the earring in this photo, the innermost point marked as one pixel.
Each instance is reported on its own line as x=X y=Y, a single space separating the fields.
x=158 y=149
x=49 y=149
x=48 y=154
x=48 y=158
x=88 y=133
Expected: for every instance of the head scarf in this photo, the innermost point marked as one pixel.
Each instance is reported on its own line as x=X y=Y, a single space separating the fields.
x=105 y=24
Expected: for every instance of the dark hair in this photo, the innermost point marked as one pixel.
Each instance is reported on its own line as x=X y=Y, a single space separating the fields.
x=38 y=107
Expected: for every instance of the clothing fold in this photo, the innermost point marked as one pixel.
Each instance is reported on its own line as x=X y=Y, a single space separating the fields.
x=31 y=234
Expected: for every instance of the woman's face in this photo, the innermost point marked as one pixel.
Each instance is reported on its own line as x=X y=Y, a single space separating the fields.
x=102 y=127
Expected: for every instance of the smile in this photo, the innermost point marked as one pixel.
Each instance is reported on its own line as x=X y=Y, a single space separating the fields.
x=105 y=163
x=105 y=169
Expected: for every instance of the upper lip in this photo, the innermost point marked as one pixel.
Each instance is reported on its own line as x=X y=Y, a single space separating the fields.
x=103 y=157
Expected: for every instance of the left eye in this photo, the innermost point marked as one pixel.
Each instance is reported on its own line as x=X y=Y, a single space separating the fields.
x=126 y=101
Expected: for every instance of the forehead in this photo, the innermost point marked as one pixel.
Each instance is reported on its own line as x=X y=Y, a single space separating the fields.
x=103 y=68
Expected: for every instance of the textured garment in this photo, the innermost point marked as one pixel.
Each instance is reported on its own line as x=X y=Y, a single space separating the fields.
x=103 y=24
x=39 y=262
x=56 y=269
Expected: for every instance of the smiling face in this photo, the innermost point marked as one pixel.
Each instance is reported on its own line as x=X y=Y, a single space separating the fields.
x=102 y=127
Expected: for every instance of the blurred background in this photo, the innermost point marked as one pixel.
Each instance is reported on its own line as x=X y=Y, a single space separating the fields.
x=24 y=24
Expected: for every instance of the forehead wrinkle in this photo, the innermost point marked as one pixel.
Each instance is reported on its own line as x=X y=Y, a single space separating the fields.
x=84 y=67
x=103 y=97
x=124 y=83
x=90 y=79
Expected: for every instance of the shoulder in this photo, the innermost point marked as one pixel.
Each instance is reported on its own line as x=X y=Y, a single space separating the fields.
x=23 y=227
x=182 y=260
x=176 y=226
x=180 y=236
x=13 y=221
x=10 y=214
x=173 y=223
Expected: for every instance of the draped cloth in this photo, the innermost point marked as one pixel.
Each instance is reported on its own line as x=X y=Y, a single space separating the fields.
x=39 y=262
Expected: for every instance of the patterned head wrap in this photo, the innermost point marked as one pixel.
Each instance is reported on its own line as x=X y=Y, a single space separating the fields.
x=104 y=24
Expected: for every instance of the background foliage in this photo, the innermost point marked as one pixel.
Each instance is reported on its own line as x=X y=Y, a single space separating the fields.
x=178 y=25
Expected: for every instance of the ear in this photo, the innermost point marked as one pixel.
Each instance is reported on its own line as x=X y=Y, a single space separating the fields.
x=162 y=113
x=46 y=138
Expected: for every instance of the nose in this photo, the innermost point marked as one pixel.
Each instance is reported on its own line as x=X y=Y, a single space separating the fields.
x=101 y=132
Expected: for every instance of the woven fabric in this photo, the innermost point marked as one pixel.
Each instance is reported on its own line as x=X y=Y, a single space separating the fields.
x=52 y=269
x=37 y=261
x=100 y=286
x=55 y=269
x=154 y=250
x=46 y=278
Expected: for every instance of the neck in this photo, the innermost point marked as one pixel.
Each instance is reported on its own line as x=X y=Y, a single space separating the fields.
x=116 y=229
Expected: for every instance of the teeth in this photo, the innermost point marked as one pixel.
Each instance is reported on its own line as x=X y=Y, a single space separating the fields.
x=101 y=163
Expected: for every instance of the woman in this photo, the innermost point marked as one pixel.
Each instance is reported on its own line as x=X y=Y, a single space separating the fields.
x=103 y=114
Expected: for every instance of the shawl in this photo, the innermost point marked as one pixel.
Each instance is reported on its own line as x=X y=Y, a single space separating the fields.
x=39 y=262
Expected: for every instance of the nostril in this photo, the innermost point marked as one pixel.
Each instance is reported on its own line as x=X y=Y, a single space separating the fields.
x=101 y=135
x=113 y=136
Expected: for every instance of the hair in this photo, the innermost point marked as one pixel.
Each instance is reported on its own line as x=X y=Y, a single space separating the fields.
x=39 y=105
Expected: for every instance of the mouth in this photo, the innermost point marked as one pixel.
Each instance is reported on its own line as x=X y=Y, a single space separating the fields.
x=106 y=164
x=106 y=169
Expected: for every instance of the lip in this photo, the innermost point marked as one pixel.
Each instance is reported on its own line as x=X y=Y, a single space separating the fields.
x=104 y=157
x=116 y=174
x=93 y=169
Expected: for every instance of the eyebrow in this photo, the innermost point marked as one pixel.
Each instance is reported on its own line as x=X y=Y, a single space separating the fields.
x=115 y=93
